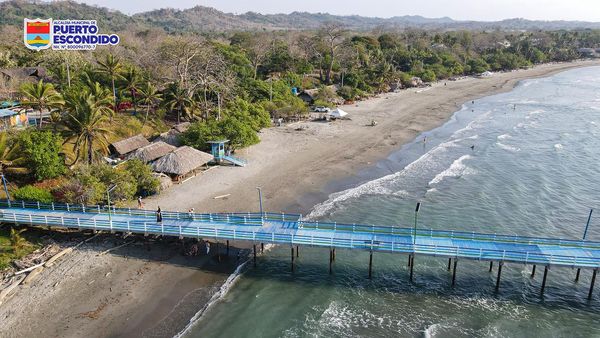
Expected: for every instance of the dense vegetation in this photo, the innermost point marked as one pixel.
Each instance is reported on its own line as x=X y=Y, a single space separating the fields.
x=228 y=85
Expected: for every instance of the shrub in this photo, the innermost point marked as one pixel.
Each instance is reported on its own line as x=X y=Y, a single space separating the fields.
x=42 y=150
x=34 y=194
x=147 y=184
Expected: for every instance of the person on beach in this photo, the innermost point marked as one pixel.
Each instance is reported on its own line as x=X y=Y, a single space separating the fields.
x=191 y=213
x=140 y=203
x=158 y=215
x=207 y=247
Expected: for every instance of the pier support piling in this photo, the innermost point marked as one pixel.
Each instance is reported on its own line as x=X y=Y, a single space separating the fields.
x=491 y=266
x=577 y=275
x=297 y=251
x=227 y=248
x=412 y=265
x=533 y=271
x=217 y=250
x=454 y=272
x=370 y=263
x=334 y=254
x=292 y=259
x=262 y=247
x=330 y=261
x=592 y=283
x=544 y=280
x=254 y=247
x=449 y=263
x=500 y=264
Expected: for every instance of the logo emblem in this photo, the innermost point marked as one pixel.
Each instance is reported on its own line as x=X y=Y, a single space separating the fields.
x=37 y=33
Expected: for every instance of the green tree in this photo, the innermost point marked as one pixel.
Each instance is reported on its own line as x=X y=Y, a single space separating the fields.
x=12 y=159
x=147 y=184
x=111 y=67
x=42 y=150
x=177 y=98
x=132 y=82
x=85 y=124
x=17 y=241
x=41 y=96
x=149 y=96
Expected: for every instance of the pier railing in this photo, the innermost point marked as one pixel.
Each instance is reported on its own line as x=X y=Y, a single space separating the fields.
x=255 y=234
x=247 y=218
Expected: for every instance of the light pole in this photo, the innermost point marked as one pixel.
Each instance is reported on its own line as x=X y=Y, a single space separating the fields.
x=415 y=229
x=108 y=191
x=6 y=191
x=260 y=200
x=587 y=225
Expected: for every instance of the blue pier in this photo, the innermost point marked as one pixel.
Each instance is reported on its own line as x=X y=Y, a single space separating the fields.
x=291 y=229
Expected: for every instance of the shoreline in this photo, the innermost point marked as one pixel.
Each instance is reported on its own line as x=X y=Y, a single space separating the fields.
x=297 y=165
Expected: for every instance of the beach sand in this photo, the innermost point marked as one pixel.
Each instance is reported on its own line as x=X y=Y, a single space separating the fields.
x=148 y=288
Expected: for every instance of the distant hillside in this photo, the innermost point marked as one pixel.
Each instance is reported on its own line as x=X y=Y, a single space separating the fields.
x=205 y=19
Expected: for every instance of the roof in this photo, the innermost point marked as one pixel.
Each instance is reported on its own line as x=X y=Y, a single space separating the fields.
x=181 y=161
x=8 y=112
x=22 y=73
x=130 y=144
x=218 y=141
x=151 y=152
x=181 y=127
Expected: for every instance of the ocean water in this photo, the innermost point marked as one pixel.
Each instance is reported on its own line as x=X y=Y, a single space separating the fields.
x=523 y=162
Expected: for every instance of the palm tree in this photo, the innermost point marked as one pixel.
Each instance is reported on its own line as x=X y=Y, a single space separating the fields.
x=132 y=81
x=40 y=96
x=111 y=66
x=85 y=123
x=149 y=96
x=178 y=98
x=12 y=160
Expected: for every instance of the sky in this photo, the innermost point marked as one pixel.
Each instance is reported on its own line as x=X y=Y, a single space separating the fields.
x=482 y=10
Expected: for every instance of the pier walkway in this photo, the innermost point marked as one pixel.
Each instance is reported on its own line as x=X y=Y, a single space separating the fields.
x=292 y=230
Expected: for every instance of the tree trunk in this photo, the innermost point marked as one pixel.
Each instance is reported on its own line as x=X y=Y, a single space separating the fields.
x=134 y=102
x=41 y=118
x=179 y=114
x=89 y=150
x=114 y=94
x=147 y=113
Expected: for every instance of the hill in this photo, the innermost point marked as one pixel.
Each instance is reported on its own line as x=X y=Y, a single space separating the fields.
x=206 y=19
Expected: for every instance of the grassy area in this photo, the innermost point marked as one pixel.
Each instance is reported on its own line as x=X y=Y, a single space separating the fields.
x=7 y=250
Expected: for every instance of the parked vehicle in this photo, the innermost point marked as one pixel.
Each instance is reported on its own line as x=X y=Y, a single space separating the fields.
x=321 y=109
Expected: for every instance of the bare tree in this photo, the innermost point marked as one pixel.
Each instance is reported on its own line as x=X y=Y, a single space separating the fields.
x=333 y=36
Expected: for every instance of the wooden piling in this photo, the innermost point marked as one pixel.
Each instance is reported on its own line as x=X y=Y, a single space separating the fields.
x=254 y=246
x=544 y=280
x=533 y=271
x=262 y=247
x=577 y=275
x=227 y=248
x=217 y=250
x=500 y=264
x=292 y=258
x=454 y=272
x=491 y=266
x=370 y=263
x=592 y=284
x=297 y=251
x=449 y=263
x=334 y=254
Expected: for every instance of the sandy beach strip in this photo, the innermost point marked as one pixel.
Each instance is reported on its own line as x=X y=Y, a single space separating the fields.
x=149 y=289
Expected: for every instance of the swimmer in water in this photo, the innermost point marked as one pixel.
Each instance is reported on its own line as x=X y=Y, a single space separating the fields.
x=473 y=147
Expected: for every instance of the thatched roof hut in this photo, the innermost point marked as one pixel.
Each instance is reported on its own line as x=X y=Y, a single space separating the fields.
x=181 y=161
x=151 y=152
x=128 y=145
x=172 y=136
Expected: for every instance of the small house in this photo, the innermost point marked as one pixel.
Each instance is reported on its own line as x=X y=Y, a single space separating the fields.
x=308 y=95
x=181 y=162
x=10 y=118
x=126 y=146
x=151 y=152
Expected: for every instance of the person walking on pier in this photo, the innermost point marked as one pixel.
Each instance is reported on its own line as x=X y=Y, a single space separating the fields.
x=158 y=215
